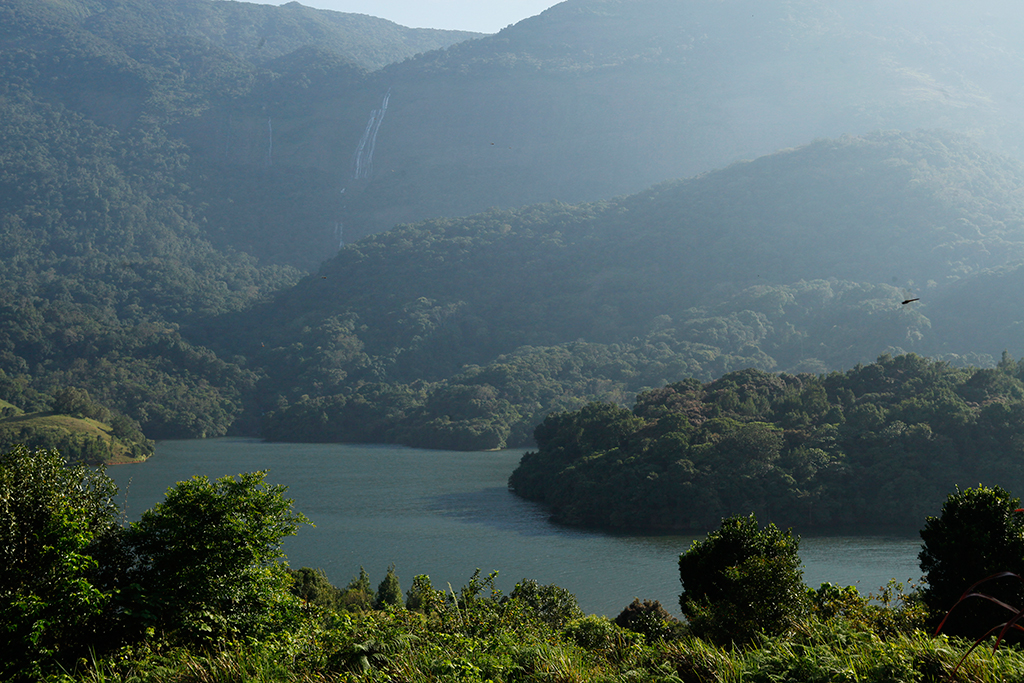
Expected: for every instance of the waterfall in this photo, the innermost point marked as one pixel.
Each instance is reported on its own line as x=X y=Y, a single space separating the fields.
x=363 y=159
x=270 y=143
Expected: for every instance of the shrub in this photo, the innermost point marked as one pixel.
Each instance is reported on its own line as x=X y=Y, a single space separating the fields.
x=742 y=580
x=312 y=586
x=421 y=596
x=552 y=604
x=208 y=559
x=592 y=632
x=358 y=595
x=979 y=532
x=647 y=618
x=389 y=592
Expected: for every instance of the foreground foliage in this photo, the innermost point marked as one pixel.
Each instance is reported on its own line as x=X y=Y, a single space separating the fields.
x=978 y=534
x=206 y=560
x=52 y=519
x=199 y=568
x=496 y=638
x=86 y=599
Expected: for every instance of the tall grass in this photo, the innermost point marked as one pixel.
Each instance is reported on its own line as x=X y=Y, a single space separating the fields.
x=397 y=645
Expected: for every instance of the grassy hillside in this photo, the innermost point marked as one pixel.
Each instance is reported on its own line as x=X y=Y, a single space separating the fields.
x=78 y=439
x=9 y=409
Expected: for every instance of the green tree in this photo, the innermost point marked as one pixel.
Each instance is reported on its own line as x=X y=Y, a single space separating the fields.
x=208 y=558
x=51 y=517
x=978 y=533
x=422 y=596
x=389 y=592
x=358 y=594
x=312 y=586
x=72 y=401
x=742 y=580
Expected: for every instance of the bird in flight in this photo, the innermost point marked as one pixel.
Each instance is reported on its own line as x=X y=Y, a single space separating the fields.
x=907 y=301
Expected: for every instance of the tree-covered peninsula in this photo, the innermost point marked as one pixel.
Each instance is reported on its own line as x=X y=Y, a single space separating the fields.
x=877 y=446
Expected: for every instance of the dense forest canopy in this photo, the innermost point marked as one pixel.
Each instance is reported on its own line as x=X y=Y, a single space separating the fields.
x=874 y=447
x=465 y=333
x=476 y=328
x=107 y=241
x=597 y=98
x=306 y=128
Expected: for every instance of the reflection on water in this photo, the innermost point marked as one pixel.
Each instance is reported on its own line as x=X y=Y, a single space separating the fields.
x=446 y=513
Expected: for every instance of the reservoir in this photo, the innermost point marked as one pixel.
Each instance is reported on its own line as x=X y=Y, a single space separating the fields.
x=446 y=513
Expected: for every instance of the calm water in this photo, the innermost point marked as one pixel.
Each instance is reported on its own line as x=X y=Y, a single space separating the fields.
x=445 y=513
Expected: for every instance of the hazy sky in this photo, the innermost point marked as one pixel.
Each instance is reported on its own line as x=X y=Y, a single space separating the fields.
x=485 y=16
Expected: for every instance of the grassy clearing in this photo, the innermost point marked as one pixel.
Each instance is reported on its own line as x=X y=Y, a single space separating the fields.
x=80 y=439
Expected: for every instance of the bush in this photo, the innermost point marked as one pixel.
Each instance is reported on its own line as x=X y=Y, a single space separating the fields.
x=741 y=581
x=358 y=594
x=552 y=604
x=837 y=602
x=978 y=533
x=649 y=619
x=389 y=592
x=312 y=586
x=422 y=597
x=592 y=632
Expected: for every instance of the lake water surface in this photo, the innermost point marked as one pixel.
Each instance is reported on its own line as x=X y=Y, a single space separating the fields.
x=445 y=513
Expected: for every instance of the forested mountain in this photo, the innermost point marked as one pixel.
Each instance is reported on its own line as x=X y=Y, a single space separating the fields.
x=466 y=332
x=597 y=98
x=306 y=128
x=105 y=237
x=166 y=168
x=155 y=32
x=176 y=66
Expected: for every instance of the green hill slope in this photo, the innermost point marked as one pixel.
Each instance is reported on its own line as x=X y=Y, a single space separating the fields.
x=161 y=177
x=295 y=138
x=466 y=332
x=251 y=32
x=105 y=238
